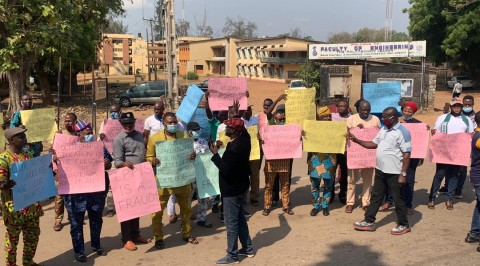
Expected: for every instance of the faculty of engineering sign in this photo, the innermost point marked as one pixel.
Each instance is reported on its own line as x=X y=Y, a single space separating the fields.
x=367 y=50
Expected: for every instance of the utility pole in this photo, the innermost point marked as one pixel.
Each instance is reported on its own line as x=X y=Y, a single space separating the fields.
x=388 y=21
x=148 y=57
x=171 y=45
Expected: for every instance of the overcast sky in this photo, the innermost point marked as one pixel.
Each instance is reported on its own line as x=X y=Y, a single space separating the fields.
x=317 y=18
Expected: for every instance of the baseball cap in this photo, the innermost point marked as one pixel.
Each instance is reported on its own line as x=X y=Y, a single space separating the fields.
x=10 y=132
x=456 y=101
x=194 y=126
x=127 y=117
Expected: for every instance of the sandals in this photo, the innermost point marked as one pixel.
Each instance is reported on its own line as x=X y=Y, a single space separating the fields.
x=191 y=240
x=431 y=205
x=173 y=219
x=266 y=212
x=288 y=211
x=385 y=206
x=159 y=244
x=449 y=205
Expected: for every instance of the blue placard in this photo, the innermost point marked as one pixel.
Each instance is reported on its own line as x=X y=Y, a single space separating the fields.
x=382 y=95
x=34 y=181
x=201 y=118
x=190 y=103
x=206 y=173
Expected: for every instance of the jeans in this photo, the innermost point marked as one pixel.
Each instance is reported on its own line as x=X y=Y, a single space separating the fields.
x=475 y=229
x=445 y=170
x=462 y=176
x=237 y=227
x=380 y=185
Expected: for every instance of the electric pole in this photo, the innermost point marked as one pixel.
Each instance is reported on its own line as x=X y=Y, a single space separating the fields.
x=171 y=55
x=388 y=21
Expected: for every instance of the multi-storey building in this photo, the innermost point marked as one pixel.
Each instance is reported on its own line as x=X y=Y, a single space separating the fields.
x=115 y=55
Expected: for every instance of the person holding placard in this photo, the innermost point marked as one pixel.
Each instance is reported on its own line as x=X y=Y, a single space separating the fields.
x=451 y=123
x=321 y=166
x=92 y=203
x=26 y=103
x=361 y=120
x=129 y=150
x=473 y=236
x=251 y=120
x=343 y=114
x=393 y=147
x=182 y=193
x=26 y=220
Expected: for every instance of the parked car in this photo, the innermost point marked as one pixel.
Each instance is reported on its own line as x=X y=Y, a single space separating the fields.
x=467 y=82
x=297 y=84
x=145 y=92
x=203 y=85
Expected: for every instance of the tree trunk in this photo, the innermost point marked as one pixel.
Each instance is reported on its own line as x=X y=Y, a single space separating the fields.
x=45 y=86
x=16 y=84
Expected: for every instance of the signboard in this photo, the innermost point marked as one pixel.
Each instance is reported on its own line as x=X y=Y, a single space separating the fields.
x=367 y=50
x=405 y=84
x=420 y=136
x=206 y=173
x=175 y=168
x=223 y=91
x=359 y=157
x=100 y=88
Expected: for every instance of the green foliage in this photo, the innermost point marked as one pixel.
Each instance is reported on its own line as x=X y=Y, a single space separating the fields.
x=310 y=73
x=191 y=76
x=366 y=35
x=115 y=26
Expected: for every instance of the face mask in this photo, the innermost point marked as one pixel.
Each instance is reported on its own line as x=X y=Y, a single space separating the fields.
x=115 y=115
x=195 y=134
x=387 y=121
x=89 y=138
x=172 y=128
x=280 y=123
x=407 y=117
x=467 y=109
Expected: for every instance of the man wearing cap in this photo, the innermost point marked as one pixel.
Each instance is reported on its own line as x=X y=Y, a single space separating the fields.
x=234 y=172
x=182 y=193
x=129 y=150
x=361 y=120
x=26 y=220
x=451 y=123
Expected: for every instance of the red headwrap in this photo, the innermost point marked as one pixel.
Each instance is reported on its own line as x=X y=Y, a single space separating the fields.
x=411 y=105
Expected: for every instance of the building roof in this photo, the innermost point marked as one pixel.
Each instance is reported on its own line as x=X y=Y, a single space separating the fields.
x=287 y=49
x=276 y=38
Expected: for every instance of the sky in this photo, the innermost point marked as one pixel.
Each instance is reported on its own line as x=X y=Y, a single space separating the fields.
x=316 y=18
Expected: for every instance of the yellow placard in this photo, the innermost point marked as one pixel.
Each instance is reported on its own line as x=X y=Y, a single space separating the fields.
x=255 y=143
x=300 y=106
x=324 y=136
x=223 y=138
x=2 y=137
x=40 y=123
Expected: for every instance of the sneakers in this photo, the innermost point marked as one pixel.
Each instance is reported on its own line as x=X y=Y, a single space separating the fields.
x=364 y=226
x=246 y=214
x=225 y=261
x=443 y=190
x=222 y=220
x=400 y=230
x=242 y=252
x=471 y=238
x=459 y=196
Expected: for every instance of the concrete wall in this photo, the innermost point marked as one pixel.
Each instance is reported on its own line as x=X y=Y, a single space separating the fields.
x=351 y=72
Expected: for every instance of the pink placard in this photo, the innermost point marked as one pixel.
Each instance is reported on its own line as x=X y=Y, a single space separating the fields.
x=282 y=142
x=451 y=148
x=134 y=191
x=223 y=91
x=420 y=136
x=60 y=141
x=112 y=127
x=359 y=157
x=262 y=122
x=81 y=168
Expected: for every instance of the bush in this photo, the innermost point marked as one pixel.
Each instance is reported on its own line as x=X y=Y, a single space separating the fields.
x=192 y=76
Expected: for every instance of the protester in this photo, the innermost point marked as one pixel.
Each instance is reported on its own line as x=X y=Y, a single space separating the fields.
x=451 y=123
x=26 y=103
x=393 y=144
x=115 y=112
x=182 y=193
x=361 y=120
x=129 y=150
x=457 y=89
x=342 y=115
x=473 y=235
x=92 y=203
x=234 y=174
x=282 y=167
x=26 y=220
x=321 y=166
x=249 y=120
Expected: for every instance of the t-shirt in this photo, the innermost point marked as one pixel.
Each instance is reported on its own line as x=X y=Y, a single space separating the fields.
x=371 y=121
x=392 y=143
x=455 y=125
x=200 y=146
x=214 y=123
x=338 y=117
x=154 y=125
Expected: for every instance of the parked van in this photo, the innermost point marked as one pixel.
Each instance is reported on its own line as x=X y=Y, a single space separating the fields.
x=145 y=92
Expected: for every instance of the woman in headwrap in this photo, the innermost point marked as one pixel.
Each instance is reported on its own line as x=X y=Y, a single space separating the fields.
x=321 y=166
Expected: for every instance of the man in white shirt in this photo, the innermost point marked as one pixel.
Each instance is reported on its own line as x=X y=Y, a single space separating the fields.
x=457 y=89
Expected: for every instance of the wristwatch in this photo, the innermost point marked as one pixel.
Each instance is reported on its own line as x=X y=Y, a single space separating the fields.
x=403 y=174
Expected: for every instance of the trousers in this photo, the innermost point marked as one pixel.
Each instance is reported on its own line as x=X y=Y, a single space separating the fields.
x=30 y=228
x=284 y=179
x=367 y=177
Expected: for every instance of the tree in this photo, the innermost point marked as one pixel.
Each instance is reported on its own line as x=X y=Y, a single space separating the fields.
x=310 y=73
x=239 y=28
x=115 y=26
x=182 y=27
x=341 y=37
x=204 y=31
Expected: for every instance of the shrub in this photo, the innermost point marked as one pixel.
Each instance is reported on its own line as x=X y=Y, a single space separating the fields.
x=192 y=76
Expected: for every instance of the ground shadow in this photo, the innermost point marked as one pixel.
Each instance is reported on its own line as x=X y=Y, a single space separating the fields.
x=348 y=253
x=269 y=236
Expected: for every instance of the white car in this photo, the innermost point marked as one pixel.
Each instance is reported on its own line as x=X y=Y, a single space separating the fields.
x=466 y=82
x=297 y=84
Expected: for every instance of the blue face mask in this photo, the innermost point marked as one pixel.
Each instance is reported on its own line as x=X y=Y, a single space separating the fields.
x=172 y=128
x=195 y=134
x=89 y=138
x=407 y=117
x=467 y=109
x=115 y=115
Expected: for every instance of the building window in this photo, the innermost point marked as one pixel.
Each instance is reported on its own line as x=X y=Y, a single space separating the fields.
x=117 y=41
x=250 y=53
x=117 y=58
x=256 y=71
x=238 y=53
x=264 y=71
x=270 y=71
x=244 y=55
x=117 y=49
x=280 y=72
x=239 y=69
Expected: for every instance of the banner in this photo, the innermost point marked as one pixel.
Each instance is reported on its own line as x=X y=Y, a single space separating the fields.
x=206 y=173
x=201 y=118
x=324 y=136
x=282 y=142
x=40 y=123
x=451 y=148
x=190 y=103
x=359 y=157
x=420 y=138
x=175 y=168
x=112 y=127
x=223 y=91
x=81 y=168
x=34 y=181
x=382 y=95
x=367 y=50
x=134 y=191
x=255 y=143
x=300 y=106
